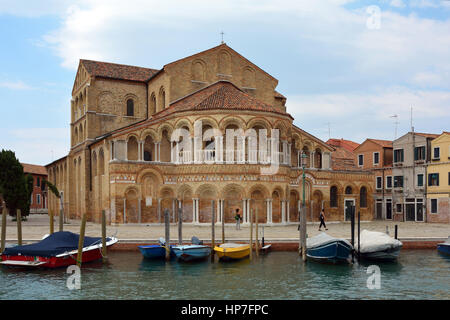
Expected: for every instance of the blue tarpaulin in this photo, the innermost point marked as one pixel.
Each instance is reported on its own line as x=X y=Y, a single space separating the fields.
x=56 y=243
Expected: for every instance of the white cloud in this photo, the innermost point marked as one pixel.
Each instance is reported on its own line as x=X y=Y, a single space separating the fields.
x=37 y=145
x=397 y=3
x=15 y=85
x=360 y=115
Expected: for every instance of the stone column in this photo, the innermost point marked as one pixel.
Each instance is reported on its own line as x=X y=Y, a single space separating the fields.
x=311 y=165
x=177 y=152
x=244 y=211
x=283 y=212
x=287 y=211
x=268 y=210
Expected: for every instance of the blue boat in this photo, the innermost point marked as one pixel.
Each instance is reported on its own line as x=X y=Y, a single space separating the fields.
x=444 y=247
x=191 y=252
x=325 y=248
x=155 y=251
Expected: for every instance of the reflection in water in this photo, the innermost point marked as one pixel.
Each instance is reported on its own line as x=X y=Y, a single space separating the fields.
x=280 y=275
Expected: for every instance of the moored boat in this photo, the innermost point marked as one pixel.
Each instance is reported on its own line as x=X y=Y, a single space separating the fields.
x=155 y=251
x=59 y=249
x=191 y=252
x=444 y=247
x=325 y=248
x=232 y=251
x=378 y=246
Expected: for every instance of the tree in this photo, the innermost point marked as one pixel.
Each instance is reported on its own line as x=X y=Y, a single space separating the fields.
x=15 y=186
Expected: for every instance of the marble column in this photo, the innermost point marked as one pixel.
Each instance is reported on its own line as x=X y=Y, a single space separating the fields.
x=268 y=210
x=287 y=211
x=283 y=212
x=244 y=211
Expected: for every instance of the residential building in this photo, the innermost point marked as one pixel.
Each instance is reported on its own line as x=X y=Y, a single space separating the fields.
x=376 y=156
x=411 y=153
x=438 y=180
x=39 y=195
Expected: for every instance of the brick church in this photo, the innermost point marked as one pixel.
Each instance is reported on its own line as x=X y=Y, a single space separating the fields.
x=144 y=140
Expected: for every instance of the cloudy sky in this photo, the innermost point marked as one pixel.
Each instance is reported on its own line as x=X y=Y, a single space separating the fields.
x=346 y=67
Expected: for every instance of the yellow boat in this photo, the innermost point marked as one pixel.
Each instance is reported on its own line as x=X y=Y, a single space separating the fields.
x=232 y=251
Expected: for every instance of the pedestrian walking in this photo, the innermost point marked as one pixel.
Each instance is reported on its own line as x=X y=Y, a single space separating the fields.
x=238 y=219
x=322 y=220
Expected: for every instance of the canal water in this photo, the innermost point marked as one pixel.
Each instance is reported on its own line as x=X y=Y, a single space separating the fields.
x=418 y=274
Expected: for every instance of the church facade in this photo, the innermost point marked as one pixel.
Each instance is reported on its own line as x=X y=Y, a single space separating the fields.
x=207 y=127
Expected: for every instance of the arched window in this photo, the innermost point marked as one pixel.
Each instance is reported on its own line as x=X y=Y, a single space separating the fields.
x=130 y=107
x=348 y=190
x=333 y=197
x=363 y=197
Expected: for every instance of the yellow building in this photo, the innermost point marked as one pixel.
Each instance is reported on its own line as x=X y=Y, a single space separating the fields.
x=135 y=150
x=438 y=180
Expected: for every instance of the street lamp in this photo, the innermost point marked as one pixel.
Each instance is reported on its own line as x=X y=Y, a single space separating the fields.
x=302 y=216
x=303 y=156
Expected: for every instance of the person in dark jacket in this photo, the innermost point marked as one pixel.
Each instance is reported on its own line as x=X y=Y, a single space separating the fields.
x=322 y=220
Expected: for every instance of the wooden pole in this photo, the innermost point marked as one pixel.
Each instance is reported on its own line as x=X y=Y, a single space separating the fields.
x=359 y=232
x=396 y=232
x=303 y=232
x=167 y=229
x=251 y=233
x=104 y=253
x=4 y=213
x=180 y=224
x=19 y=227
x=81 y=240
x=223 y=227
x=213 y=233
x=52 y=223
x=256 y=233
x=352 y=224
x=61 y=216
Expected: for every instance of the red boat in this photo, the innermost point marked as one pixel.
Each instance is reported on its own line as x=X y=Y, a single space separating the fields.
x=59 y=249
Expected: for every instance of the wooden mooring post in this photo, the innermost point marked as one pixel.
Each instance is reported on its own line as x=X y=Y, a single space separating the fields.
x=61 y=217
x=352 y=224
x=303 y=232
x=167 y=232
x=213 y=230
x=359 y=233
x=81 y=240
x=223 y=228
x=52 y=222
x=251 y=234
x=396 y=232
x=19 y=227
x=104 y=252
x=256 y=233
x=4 y=213
x=180 y=223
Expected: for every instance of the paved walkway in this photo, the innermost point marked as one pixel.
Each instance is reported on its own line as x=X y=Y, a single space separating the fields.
x=38 y=225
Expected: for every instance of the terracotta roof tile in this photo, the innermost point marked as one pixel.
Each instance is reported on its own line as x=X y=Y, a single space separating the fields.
x=33 y=168
x=341 y=143
x=117 y=71
x=427 y=135
x=383 y=143
x=219 y=95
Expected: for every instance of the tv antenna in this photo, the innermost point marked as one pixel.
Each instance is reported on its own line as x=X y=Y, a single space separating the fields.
x=412 y=128
x=396 y=124
x=222 y=33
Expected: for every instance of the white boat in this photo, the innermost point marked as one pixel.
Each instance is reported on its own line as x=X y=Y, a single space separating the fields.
x=378 y=246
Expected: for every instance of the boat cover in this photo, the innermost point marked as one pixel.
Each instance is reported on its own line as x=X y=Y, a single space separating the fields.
x=54 y=244
x=196 y=240
x=322 y=239
x=372 y=241
x=232 y=245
